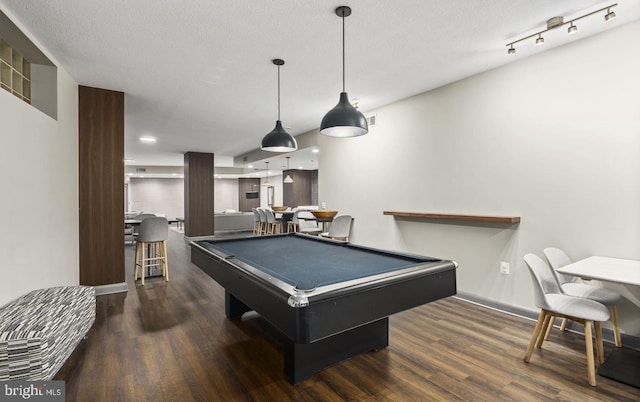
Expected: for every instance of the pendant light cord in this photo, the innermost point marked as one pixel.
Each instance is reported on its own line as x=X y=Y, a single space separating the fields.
x=278 y=92
x=343 y=54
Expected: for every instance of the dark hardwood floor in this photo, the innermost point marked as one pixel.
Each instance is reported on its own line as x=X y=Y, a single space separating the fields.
x=172 y=342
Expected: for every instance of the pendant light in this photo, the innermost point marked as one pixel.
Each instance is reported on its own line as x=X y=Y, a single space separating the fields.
x=278 y=140
x=288 y=179
x=343 y=120
x=266 y=176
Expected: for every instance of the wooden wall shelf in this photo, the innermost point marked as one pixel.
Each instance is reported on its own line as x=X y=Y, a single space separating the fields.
x=479 y=218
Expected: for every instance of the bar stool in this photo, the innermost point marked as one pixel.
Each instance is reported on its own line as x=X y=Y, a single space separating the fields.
x=272 y=223
x=263 y=221
x=151 y=247
x=256 y=222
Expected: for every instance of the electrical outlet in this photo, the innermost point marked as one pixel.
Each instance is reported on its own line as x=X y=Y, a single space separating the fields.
x=504 y=268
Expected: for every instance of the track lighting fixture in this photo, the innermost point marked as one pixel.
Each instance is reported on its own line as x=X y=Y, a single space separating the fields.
x=557 y=22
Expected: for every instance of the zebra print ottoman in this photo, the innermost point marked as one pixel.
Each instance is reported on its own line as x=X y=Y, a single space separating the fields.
x=40 y=330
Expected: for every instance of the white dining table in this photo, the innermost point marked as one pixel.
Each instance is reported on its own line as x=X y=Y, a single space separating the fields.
x=622 y=364
x=609 y=269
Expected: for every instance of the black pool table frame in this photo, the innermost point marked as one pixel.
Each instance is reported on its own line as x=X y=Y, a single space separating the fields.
x=332 y=323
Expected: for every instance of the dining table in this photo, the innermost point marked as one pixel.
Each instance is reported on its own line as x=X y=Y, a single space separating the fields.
x=622 y=364
x=285 y=217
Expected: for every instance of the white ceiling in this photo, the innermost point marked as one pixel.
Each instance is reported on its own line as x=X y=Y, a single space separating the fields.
x=198 y=74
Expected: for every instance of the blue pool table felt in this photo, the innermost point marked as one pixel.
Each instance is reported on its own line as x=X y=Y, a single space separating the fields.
x=308 y=263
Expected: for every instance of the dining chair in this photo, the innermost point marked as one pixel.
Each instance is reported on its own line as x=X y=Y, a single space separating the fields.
x=340 y=228
x=144 y=215
x=573 y=286
x=151 y=247
x=553 y=303
x=292 y=225
x=308 y=224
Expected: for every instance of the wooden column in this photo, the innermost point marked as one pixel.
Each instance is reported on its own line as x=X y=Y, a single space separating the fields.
x=101 y=186
x=198 y=194
x=298 y=192
x=246 y=185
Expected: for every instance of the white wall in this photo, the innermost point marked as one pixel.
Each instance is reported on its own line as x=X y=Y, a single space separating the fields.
x=276 y=183
x=166 y=196
x=160 y=196
x=554 y=138
x=39 y=204
x=226 y=194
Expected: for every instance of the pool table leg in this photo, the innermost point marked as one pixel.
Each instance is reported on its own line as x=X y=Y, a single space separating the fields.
x=233 y=307
x=302 y=360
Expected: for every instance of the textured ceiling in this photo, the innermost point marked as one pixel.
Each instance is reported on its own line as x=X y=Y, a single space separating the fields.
x=198 y=74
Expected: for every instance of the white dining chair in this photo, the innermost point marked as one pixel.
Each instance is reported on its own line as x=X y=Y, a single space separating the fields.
x=340 y=228
x=308 y=224
x=292 y=225
x=553 y=303
x=573 y=286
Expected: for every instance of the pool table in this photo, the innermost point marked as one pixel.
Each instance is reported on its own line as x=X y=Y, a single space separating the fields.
x=331 y=300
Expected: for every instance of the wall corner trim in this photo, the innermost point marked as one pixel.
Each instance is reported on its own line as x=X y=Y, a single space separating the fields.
x=111 y=288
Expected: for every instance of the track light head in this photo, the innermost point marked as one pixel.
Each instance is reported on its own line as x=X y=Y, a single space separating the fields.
x=540 y=40
x=610 y=15
x=572 y=29
x=511 y=50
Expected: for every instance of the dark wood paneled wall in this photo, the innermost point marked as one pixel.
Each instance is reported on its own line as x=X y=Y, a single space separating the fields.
x=101 y=185
x=298 y=192
x=245 y=185
x=198 y=194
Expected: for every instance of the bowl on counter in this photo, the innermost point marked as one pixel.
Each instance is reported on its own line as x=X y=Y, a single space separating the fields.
x=324 y=213
x=279 y=208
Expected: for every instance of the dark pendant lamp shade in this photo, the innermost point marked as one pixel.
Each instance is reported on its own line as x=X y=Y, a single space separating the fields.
x=279 y=140
x=343 y=120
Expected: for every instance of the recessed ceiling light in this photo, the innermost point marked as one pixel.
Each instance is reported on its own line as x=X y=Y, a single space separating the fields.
x=128 y=160
x=299 y=167
x=250 y=167
x=315 y=150
x=148 y=139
